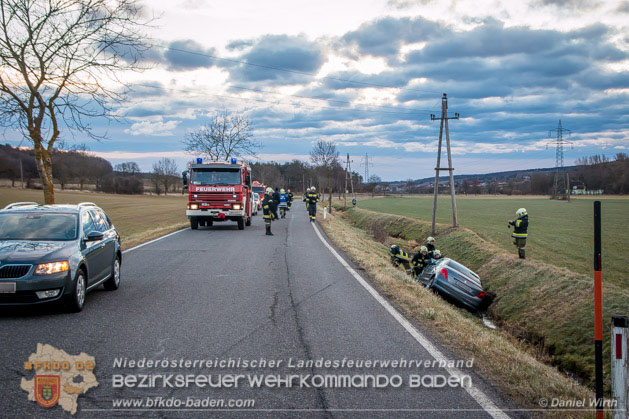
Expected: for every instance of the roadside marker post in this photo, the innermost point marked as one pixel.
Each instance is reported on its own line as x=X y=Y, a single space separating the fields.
x=620 y=366
x=598 y=311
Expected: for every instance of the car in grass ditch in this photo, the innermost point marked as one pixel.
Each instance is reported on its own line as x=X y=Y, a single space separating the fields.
x=455 y=281
x=56 y=253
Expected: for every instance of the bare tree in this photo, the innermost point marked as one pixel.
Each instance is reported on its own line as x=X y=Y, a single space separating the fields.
x=325 y=156
x=165 y=170
x=58 y=60
x=128 y=168
x=224 y=137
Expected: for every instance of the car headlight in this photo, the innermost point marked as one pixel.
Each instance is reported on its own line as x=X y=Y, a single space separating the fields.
x=236 y=206
x=52 y=267
x=194 y=206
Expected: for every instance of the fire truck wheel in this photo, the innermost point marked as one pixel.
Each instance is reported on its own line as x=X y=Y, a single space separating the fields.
x=248 y=222
x=194 y=223
x=241 y=223
x=209 y=222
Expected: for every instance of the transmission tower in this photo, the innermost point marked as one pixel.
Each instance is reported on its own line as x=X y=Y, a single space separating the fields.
x=444 y=122
x=561 y=186
x=365 y=162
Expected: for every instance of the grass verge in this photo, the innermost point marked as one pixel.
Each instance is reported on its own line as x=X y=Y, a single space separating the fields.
x=507 y=362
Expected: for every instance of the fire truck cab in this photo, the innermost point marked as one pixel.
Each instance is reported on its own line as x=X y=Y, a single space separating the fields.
x=218 y=191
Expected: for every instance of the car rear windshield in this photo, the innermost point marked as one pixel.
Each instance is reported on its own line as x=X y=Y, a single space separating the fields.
x=258 y=189
x=215 y=177
x=38 y=226
x=457 y=266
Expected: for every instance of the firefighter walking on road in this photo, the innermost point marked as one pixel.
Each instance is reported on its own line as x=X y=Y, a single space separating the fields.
x=267 y=210
x=311 y=201
x=520 y=228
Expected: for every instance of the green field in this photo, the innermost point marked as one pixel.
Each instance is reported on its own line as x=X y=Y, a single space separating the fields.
x=138 y=218
x=560 y=233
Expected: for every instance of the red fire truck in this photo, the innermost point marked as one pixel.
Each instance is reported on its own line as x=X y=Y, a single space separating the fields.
x=259 y=188
x=218 y=192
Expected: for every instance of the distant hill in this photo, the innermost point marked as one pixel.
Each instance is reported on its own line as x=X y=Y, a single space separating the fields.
x=485 y=177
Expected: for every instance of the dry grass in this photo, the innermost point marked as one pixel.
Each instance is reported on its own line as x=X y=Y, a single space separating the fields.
x=507 y=362
x=138 y=218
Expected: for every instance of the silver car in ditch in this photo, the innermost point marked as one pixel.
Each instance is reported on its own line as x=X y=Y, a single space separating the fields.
x=455 y=281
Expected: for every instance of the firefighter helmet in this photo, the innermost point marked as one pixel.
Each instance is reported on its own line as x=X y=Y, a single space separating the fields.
x=423 y=249
x=269 y=190
x=430 y=239
x=282 y=191
x=313 y=189
x=438 y=253
x=521 y=212
x=395 y=249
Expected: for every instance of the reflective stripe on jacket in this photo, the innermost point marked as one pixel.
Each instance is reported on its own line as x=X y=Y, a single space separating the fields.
x=520 y=228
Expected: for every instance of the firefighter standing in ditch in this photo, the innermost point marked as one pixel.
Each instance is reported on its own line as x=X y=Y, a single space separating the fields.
x=311 y=201
x=520 y=228
x=267 y=210
x=419 y=261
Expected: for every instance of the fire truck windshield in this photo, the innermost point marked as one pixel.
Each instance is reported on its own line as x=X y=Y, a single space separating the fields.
x=215 y=177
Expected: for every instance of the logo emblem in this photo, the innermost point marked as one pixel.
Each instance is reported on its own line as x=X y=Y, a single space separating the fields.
x=47 y=388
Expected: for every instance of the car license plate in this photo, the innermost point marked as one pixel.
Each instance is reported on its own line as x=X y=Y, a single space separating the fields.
x=463 y=286
x=7 y=287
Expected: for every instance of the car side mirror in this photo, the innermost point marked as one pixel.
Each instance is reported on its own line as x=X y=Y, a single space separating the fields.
x=94 y=236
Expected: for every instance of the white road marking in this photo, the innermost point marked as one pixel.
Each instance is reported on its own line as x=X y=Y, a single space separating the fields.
x=154 y=240
x=480 y=397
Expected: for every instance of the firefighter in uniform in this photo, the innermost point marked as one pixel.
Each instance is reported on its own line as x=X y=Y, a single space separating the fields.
x=305 y=198
x=430 y=245
x=419 y=261
x=290 y=197
x=311 y=201
x=520 y=227
x=267 y=210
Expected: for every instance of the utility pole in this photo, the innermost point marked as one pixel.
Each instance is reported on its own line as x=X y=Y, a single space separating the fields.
x=444 y=122
x=348 y=171
x=562 y=183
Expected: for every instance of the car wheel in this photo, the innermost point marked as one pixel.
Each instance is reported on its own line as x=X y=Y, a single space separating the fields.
x=248 y=223
x=113 y=283
x=194 y=223
x=76 y=300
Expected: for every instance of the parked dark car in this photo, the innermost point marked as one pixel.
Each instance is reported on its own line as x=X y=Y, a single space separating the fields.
x=56 y=253
x=455 y=281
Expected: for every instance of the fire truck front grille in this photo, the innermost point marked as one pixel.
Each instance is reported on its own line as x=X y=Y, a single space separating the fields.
x=224 y=197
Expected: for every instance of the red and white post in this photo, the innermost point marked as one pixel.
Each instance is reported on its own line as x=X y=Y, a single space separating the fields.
x=620 y=366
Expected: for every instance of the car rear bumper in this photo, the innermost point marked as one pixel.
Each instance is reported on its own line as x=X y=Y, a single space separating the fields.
x=456 y=293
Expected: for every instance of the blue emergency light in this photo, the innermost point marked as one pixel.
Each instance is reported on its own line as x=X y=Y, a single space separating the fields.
x=199 y=160
x=234 y=160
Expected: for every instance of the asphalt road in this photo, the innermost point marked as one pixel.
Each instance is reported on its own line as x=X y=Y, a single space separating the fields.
x=223 y=293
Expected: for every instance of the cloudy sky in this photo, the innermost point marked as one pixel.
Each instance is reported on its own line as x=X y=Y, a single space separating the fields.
x=367 y=74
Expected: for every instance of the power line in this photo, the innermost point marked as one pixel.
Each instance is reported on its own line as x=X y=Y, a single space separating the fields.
x=233 y=60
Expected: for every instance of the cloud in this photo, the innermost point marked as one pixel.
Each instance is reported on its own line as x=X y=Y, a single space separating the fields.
x=293 y=53
x=385 y=36
x=568 y=4
x=187 y=54
x=153 y=127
